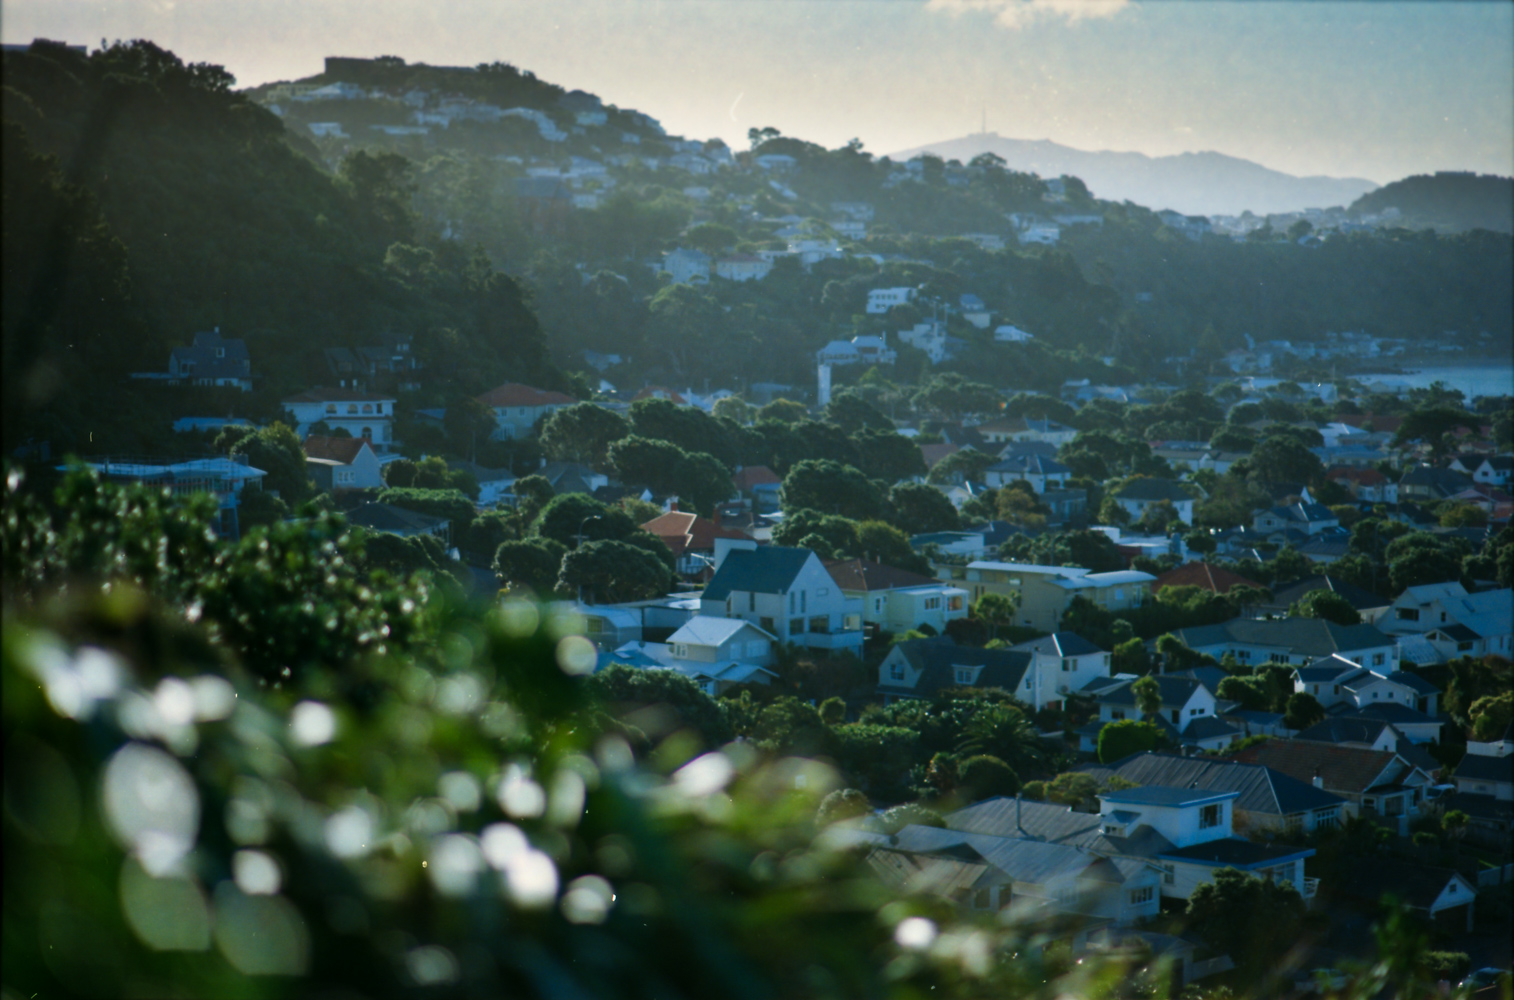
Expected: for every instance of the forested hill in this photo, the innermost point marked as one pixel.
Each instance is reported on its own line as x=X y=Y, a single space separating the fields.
x=1447 y=202
x=145 y=200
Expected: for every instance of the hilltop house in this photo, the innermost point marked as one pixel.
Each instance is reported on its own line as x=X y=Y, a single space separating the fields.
x=881 y=300
x=518 y=407
x=1381 y=784
x=1040 y=472
x=786 y=592
x=211 y=360
x=919 y=668
x=361 y=414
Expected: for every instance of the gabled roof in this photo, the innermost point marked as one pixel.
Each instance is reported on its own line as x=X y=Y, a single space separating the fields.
x=856 y=574
x=1029 y=465
x=1392 y=711
x=1351 y=769
x=1235 y=853
x=1023 y=860
x=341 y=450
x=1166 y=796
x=1348 y=729
x=1417 y=885
x=1302 y=513
x=684 y=531
x=1059 y=644
x=1263 y=789
x=707 y=630
x=1479 y=767
x=1305 y=636
x=516 y=394
x=1201 y=574
x=767 y=570
x=1153 y=490
x=384 y=517
x=1413 y=682
x=1053 y=824
x=1358 y=597
x=936 y=658
x=933 y=453
x=754 y=475
x=1175 y=691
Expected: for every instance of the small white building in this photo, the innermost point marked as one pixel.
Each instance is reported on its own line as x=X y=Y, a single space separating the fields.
x=361 y=414
x=881 y=300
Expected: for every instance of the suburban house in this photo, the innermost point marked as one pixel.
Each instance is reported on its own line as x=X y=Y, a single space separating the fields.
x=1366 y=603
x=572 y=477
x=1441 y=895
x=919 y=668
x=1214 y=579
x=361 y=414
x=786 y=592
x=1427 y=484
x=991 y=873
x=1187 y=831
x=1310 y=518
x=896 y=600
x=687 y=267
x=1140 y=495
x=1479 y=774
x=760 y=485
x=342 y=464
x=1381 y=784
x=691 y=539
x=223 y=478
x=1292 y=640
x=1062 y=663
x=714 y=653
x=881 y=300
x=1188 y=713
x=1335 y=679
x=1453 y=621
x=1040 y=472
x=742 y=267
x=211 y=360
x=1368 y=733
x=391 y=520
x=518 y=407
x=1494 y=470
x=493 y=484
x=1047 y=591
x=1270 y=801
x=1008 y=429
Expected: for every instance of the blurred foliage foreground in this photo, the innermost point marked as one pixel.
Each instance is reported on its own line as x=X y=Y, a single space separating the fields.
x=420 y=799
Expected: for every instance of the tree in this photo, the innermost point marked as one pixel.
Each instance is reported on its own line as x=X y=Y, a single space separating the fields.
x=532 y=562
x=276 y=449
x=1131 y=657
x=1118 y=740
x=839 y=534
x=628 y=690
x=1253 y=920
x=583 y=433
x=880 y=541
x=710 y=237
x=1326 y=605
x=852 y=413
x=784 y=411
x=951 y=396
x=918 y=508
x=1249 y=692
x=1303 y=711
x=995 y=609
x=833 y=711
x=888 y=456
x=733 y=408
x=612 y=572
x=986 y=776
x=829 y=486
x=1148 y=695
x=469 y=422
x=1490 y=716
x=697 y=478
x=842 y=804
x=960 y=466
x=574 y=517
x=1283 y=459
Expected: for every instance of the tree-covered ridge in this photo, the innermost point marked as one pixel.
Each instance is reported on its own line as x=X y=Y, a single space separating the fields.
x=187 y=207
x=1447 y=201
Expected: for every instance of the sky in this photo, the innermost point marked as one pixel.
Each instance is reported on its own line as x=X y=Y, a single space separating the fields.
x=1346 y=89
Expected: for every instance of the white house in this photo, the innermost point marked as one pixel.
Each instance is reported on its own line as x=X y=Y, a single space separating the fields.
x=1007 y=429
x=1455 y=622
x=784 y=591
x=897 y=600
x=342 y=464
x=1062 y=663
x=881 y=300
x=688 y=267
x=361 y=414
x=1140 y=495
x=929 y=337
x=743 y=267
x=518 y=407
x=1011 y=335
x=1298 y=641
x=1040 y=472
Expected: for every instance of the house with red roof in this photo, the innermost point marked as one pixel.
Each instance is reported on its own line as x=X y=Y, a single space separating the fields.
x=759 y=485
x=660 y=392
x=691 y=539
x=897 y=600
x=337 y=463
x=518 y=407
x=1201 y=574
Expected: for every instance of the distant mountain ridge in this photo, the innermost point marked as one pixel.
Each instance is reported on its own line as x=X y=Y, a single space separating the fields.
x=1192 y=183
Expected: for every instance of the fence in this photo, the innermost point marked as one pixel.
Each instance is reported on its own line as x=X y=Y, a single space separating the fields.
x=1495 y=876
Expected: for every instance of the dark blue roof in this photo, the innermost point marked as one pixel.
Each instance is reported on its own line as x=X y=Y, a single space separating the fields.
x=767 y=570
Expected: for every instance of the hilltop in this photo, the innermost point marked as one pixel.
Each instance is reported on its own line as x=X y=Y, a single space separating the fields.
x=1191 y=183
x=1447 y=202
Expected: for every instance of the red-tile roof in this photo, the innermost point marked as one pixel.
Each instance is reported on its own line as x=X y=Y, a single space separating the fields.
x=1201 y=574
x=658 y=392
x=1361 y=477
x=754 y=475
x=1381 y=422
x=516 y=394
x=344 y=450
x=683 y=531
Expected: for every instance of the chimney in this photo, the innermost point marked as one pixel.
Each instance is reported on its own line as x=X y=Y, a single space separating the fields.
x=1318 y=781
x=672 y=505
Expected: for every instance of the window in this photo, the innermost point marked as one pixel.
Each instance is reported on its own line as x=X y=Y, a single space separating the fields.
x=1117 y=714
x=330 y=407
x=378 y=408
x=1377 y=659
x=768 y=624
x=352 y=408
x=367 y=407
x=1209 y=816
x=820 y=624
x=796 y=626
x=932 y=603
x=803 y=601
x=954 y=603
x=791 y=602
x=964 y=675
x=681 y=651
x=1169 y=874
x=751 y=600
x=368 y=433
x=1069 y=664
x=1316 y=689
x=1176 y=715
x=878 y=605
x=1106 y=661
x=1141 y=895
x=1327 y=819
x=728 y=605
x=896 y=672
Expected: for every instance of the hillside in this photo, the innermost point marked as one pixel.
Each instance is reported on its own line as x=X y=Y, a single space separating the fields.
x=1447 y=202
x=1191 y=183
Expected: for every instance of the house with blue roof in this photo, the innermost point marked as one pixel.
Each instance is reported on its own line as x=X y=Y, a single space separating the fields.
x=784 y=591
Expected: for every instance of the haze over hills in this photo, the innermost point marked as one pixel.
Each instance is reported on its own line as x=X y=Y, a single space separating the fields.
x=1192 y=183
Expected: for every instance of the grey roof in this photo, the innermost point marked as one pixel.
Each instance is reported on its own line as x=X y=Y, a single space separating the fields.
x=1303 y=512
x=1238 y=853
x=1153 y=490
x=1479 y=767
x=1207 y=727
x=1347 y=729
x=1054 y=824
x=1032 y=464
x=1262 y=789
x=1413 y=682
x=393 y=520
x=706 y=630
x=1175 y=690
x=1327 y=669
x=767 y=570
x=1210 y=677
x=1059 y=644
x=936 y=657
x=1023 y=860
x=1164 y=795
x=1395 y=713
x=1306 y=636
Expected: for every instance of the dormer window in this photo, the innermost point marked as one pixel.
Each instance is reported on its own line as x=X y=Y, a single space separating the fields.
x=1209 y=816
x=331 y=408
x=1114 y=830
x=367 y=407
x=964 y=675
x=220 y=352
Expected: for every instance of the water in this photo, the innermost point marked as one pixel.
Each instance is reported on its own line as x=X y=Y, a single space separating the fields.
x=1491 y=379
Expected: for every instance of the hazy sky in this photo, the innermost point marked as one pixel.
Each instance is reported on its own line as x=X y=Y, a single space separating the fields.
x=1374 y=90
